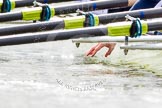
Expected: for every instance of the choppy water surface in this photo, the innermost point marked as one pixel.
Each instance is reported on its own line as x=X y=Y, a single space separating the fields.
x=57 y=74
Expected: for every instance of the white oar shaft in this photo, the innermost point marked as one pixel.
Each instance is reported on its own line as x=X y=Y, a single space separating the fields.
x=118 y=39
x=143 y=47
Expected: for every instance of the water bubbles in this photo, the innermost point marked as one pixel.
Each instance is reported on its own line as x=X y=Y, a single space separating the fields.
x=69 y=56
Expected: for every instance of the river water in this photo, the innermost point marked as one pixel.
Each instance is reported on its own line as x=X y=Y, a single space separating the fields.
x=57 y=74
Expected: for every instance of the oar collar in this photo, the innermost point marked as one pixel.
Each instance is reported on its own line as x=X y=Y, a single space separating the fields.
x=46 y=13
x=6 y=6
